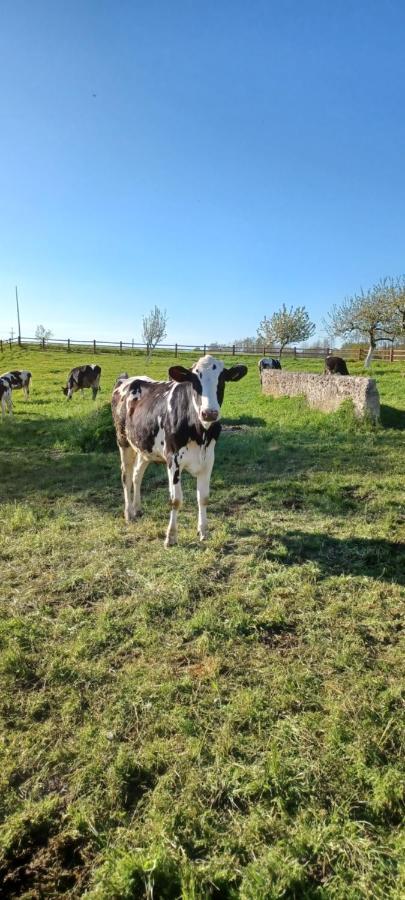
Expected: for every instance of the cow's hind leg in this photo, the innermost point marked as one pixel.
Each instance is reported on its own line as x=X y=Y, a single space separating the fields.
x=128 y=457
x=140 y=467
x=176 y=497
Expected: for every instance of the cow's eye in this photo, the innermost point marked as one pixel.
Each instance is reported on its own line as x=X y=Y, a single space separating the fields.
x=214 y=366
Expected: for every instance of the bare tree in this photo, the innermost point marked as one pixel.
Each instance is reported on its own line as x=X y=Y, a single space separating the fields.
x=370 y=315
x=154 y=328
x=286 y=326
x=43 y=334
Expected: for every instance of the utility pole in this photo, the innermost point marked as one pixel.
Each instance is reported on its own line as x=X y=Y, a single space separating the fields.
x=18 y=315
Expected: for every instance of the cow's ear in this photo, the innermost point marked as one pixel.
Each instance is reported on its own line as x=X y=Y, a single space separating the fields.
x=180 y=373
x=235 y=373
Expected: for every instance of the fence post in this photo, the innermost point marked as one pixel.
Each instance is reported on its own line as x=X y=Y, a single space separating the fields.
x=175 y=350
x=392 y=353
x=1 y=345
x=94 y=346
x=68 y=344
x=295 y=352
x=233 y=350
x=359 y=354
x=9 y=340
x=205 y=349
x=43 y=343
x=120 y=346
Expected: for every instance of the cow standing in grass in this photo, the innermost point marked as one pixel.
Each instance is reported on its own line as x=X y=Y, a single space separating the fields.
x=5 y=397
x=19 y=379
x=268 y=362
x=173 y=422
x=335 y=365
x=86 y=376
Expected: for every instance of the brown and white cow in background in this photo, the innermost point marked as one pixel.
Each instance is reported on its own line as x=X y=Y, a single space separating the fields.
x=86 y=376
x=5 y=397
x=173 y=422
x=19 y=379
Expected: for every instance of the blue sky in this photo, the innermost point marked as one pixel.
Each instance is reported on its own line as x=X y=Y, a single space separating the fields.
x=236 y=156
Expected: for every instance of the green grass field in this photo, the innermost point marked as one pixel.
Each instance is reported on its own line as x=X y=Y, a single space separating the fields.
x=218 y=720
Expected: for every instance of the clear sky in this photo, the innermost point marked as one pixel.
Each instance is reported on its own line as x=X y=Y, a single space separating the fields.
x=216 y=158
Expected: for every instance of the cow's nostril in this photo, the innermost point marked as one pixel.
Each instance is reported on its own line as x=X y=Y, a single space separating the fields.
x=210 y=415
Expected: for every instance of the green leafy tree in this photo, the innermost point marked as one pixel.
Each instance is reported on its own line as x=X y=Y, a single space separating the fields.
x=285 y=327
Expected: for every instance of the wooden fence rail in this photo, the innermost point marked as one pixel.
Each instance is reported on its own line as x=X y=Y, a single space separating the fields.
x=389 y=354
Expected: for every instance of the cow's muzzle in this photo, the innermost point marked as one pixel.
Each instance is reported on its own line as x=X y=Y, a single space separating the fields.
x=209 y=415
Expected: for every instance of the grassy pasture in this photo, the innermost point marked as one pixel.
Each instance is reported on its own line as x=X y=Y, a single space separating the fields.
x=219 y=720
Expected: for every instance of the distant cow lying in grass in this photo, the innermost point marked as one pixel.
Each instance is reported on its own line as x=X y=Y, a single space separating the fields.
x=19 y=379
x=267 y=362
x=87 y=376
x=173 y=422
x=5 y=397
x=335 y=365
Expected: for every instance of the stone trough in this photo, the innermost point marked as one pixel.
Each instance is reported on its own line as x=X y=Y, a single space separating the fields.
x=325 y=392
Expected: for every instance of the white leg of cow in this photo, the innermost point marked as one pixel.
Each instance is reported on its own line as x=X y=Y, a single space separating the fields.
x=9 y=402
x=139 y=470
x=176 y=497
x=128 y=457
x=203 y=492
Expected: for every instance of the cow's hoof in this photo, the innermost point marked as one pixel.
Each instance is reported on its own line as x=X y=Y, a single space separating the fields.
x=132 y=515
x=170 y=540
x=203 y=535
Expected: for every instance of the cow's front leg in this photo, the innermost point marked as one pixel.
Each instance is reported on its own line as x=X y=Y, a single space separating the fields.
x=203 y=492
x=176 y=497
x=128 y=456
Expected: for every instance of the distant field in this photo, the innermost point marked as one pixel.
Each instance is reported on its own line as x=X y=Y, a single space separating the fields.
x=219 y=720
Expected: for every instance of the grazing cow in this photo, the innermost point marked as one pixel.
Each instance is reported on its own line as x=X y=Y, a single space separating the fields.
x=19 y=378
x=173 y=422
x=5 y=396
x=83 y=377
x=335 y=365
x=267 y=362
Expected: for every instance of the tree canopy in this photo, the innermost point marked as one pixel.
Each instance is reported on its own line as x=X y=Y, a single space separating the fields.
x=375 y=315
x=154 y=328
x=286 y=326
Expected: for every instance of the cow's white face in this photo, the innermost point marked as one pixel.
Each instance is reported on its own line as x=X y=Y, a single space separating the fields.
x=208 y=377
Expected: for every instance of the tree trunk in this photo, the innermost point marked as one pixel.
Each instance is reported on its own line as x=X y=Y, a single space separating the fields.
x=371 y=348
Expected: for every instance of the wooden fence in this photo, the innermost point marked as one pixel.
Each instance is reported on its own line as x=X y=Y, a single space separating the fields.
x=390 y=354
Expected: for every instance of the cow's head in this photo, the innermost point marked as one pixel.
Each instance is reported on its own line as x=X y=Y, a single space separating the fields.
x=208 y=377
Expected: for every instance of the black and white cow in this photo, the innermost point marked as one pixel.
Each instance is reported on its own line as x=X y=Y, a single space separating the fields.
x=19 y=379
x=267 y=362
x=5 y=396
x=335 y=365
x=174 y=422
x=87 y=376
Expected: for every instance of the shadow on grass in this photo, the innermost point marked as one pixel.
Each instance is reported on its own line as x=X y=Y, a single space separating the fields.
x=249 y=421
x=376 y=558
x=50 y=475
x=392 y=417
